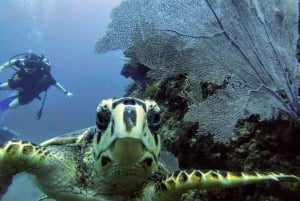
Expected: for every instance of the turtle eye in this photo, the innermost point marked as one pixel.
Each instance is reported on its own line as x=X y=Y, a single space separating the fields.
x=154 y=120
x=103 y=118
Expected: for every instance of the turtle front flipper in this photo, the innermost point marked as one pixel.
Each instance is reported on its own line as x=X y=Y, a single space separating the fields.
x=18 y=156
x=180 y=181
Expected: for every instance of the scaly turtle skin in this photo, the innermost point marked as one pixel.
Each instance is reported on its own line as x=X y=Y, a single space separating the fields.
x=116 y=160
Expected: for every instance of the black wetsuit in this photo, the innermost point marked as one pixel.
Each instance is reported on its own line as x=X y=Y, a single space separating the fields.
x=31 y=80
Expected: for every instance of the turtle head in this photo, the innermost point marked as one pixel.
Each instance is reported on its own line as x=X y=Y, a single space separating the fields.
x=127 y=136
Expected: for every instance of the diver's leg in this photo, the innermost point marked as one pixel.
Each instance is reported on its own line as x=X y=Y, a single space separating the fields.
x=4 y=104
x=14 y=103
x=5 y=86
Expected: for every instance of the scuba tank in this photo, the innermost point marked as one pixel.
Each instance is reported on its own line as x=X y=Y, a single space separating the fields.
x=32 y=62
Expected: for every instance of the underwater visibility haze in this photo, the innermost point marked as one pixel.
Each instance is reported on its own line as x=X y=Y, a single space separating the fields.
x=65 y=32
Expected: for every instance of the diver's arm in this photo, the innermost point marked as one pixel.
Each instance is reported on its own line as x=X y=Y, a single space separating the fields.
x=59 y=86
x=10 y=63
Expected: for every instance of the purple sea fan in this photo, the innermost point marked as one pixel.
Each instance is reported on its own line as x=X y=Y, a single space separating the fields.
x=256 y=53
x=247 y=48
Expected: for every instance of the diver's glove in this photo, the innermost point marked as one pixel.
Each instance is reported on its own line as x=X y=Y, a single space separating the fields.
x=69 y=94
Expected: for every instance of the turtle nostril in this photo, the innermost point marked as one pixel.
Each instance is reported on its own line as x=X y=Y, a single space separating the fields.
x=105 y=160
x=148 y=161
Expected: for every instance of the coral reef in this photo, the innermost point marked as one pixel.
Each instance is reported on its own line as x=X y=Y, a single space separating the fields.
x=271 y=145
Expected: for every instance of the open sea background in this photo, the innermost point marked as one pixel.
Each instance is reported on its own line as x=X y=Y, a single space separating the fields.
x=66 y=32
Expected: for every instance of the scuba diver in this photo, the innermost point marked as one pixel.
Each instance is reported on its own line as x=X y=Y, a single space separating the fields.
x=7 y=134
x=32 y=77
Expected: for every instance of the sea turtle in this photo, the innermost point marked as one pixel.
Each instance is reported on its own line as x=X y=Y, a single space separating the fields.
x=118 y=159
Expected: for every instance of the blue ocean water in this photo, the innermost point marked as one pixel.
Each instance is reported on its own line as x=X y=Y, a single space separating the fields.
x=65 y=31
